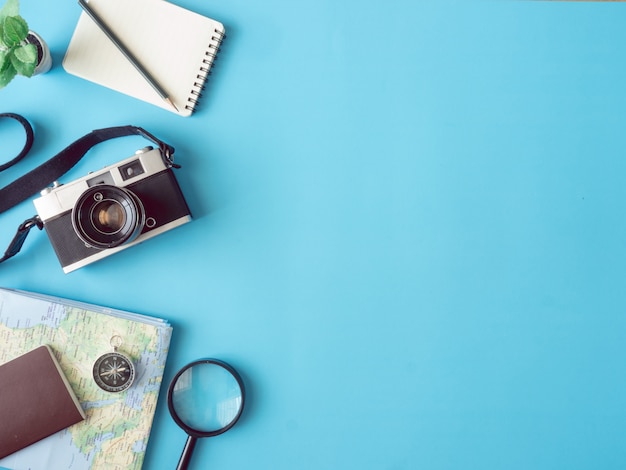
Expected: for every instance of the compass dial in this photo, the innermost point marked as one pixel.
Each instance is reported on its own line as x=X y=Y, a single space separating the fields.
x=114 y=372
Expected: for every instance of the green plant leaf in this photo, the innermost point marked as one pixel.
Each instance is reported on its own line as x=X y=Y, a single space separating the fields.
x=4 y=58
x=23 y=68
x=10 y=8
x=15 y=30
x=26 y=53
x=7 y=73
x=2 y=44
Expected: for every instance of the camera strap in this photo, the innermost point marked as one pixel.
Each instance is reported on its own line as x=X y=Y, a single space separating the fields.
x=30 y=137
x=44 y=175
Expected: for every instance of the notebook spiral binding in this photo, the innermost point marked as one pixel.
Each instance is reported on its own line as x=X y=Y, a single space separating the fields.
x=205 y=70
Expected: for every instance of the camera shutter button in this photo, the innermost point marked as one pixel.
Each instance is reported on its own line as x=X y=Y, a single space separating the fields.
x=144 y=150
x=49 y=189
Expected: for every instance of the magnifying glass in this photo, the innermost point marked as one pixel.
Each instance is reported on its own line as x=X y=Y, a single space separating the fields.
x=205 y=398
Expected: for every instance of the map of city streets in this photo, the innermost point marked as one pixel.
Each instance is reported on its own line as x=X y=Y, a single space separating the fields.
x=115 y=433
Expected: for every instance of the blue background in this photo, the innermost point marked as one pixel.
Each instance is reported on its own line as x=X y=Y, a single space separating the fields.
x=409 y=230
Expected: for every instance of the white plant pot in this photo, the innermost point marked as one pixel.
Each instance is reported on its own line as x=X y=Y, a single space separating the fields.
x=43 y=53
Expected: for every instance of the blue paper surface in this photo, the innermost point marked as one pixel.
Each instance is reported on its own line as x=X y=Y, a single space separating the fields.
x=408 y=237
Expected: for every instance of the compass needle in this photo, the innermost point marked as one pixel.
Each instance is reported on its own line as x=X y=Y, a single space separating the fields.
x=114 y=371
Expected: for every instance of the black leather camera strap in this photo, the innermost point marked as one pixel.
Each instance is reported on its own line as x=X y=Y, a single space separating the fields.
x=30 y=137
x=44 y=175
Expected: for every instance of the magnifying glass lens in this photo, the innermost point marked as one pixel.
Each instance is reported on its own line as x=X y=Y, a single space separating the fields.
x=207 y=398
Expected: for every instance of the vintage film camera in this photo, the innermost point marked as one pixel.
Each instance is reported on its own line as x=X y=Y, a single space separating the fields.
x=112 y=209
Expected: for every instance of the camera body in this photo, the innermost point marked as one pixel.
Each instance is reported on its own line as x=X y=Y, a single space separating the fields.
x=112 y=209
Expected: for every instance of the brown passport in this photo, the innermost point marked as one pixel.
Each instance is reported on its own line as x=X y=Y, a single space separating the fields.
x=36 y=400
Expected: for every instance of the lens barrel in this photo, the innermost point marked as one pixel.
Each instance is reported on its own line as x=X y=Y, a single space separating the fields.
x=106 y=216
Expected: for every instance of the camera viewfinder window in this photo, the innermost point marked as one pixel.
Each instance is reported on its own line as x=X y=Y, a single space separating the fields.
x=131 y=170
x=104 y=178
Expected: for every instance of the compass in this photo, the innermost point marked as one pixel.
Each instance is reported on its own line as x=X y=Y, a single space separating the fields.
x=114 y=371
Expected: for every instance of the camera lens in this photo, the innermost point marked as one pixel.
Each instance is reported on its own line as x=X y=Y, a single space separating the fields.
x=106 y=216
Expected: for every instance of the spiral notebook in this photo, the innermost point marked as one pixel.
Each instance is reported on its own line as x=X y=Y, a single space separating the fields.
x=175 y=45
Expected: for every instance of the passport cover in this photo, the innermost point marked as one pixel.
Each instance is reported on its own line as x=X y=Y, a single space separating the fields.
x=36 y=400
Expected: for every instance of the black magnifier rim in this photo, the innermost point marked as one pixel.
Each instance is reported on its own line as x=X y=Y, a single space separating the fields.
x=30 y=137
x=170 y=400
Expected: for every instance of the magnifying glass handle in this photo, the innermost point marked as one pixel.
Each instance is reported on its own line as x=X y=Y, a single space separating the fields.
x=185 y=458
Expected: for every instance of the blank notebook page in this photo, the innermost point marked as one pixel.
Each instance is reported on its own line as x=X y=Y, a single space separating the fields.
x=176 y=46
